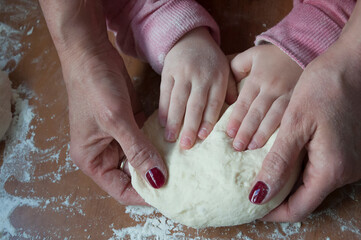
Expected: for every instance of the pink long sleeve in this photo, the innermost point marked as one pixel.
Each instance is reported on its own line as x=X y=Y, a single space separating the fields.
x=148 y=29
x=309 y=29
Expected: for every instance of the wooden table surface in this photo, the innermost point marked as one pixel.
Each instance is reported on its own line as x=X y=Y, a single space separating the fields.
x=44 y=196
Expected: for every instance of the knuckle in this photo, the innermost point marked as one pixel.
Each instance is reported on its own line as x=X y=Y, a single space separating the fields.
x=111 y=116
x=242 y=104
x=295 y=216
x=293 y=119
x=260 y=137
x=275 y=164
x=139 y=155
x=196 y=109
x=255 y=115
x=215 y=104
x=340 y=173
x=179 y=100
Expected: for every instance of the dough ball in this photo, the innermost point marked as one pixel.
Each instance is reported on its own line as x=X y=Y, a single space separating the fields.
x=208 y=185
x=5 y=103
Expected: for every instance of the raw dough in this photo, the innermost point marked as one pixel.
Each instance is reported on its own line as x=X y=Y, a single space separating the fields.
x=5 y=103
x=208 y=185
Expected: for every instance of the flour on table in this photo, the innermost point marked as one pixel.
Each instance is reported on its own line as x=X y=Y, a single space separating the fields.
x=5 y=103
x=208 y=185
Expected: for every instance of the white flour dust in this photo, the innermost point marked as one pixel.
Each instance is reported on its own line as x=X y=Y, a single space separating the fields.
x=19 y=163
x=14 y=27
x=150 y=225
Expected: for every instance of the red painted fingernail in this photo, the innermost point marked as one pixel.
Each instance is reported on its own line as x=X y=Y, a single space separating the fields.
x=155 y=178
x=258 y=193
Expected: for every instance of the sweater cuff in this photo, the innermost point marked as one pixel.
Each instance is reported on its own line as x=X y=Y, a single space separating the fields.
x=162 y=29
x=303 y=34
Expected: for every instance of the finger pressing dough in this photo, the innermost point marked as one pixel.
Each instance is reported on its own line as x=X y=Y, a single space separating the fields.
x=208 y=185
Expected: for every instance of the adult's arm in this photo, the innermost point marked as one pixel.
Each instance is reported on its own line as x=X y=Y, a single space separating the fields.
x=324 y=117
x=102 y=125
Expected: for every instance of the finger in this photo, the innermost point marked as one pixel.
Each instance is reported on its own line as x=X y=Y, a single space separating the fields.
x=113 y=180
x=177 y=107
x=140 y=153
x=232 y=93
x=248 y=93
x=166 y=87
x=269 y=123
x=304 y=201
x=195 y=107
x=324 y=161
x=211 y=112
x=252 y=120
x=241 y=64
x=282 y=158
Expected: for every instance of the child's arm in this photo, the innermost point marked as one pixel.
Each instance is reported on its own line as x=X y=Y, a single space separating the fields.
x=149 y=29
x=309 y=29
x=181 y=36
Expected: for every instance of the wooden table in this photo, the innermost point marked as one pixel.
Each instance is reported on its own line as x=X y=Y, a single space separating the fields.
x=44 y=196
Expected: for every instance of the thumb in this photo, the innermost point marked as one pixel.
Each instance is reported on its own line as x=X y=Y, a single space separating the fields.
x=140 y=153
x=241 y=64
x=280 y=161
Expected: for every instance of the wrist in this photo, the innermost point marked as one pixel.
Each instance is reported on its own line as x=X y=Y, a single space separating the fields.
x=199 y=35
x=85 y=63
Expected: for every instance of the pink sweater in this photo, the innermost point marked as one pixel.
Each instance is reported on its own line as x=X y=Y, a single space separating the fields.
x=309 y=29
x=148 y=29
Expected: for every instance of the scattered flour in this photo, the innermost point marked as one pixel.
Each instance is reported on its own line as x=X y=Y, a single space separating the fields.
x=12 y=33
x=152 y=225
x=18 y=162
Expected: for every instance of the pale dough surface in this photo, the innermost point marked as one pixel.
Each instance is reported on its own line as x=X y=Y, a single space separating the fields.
x=208 y=185
x=5 y=103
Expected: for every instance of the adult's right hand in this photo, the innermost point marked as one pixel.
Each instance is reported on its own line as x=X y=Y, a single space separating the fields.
x=102 y=125
x=324 y=117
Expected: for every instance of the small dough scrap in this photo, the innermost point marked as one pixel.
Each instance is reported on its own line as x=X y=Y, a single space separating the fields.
x=5 y=103
x=208 y=185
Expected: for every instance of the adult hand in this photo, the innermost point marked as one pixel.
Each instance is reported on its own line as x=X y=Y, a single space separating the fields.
x=324 y=117
x=102 y=124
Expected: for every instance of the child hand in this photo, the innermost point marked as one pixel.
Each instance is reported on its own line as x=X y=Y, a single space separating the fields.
x=193 y=86
x=271 y=78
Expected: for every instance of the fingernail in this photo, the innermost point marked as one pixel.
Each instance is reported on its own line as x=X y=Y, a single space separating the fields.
x=155 y=178
x=239 y=146
x=203 y=133
x=253 y=145
x=169 y=136
x=186 y=142
x=232 y=132
x=258 y=193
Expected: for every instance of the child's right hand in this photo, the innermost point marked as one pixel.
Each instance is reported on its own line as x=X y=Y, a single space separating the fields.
x=271 y=78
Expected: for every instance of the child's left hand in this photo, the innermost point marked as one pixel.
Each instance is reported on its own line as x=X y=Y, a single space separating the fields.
x=271 y=78
x=193 y=86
